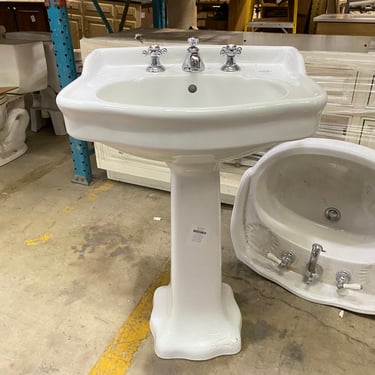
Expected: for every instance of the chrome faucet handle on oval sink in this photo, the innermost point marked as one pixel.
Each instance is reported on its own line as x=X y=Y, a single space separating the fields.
x=155 y=51
x=230 y=50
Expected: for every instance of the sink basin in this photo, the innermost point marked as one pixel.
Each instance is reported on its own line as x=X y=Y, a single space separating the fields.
x=211 y=92
x=193 y=121
x=156 y=116
x=291 y=199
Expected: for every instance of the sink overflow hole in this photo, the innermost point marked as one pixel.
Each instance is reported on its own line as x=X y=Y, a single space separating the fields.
x=192 y=88
x=332 y=214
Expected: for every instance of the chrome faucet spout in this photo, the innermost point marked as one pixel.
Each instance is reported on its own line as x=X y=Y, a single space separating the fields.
x=313 y=269
x=314 y=256
x=193 y=61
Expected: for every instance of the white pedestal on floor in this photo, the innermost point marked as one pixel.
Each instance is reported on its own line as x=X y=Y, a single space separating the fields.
x=196 y=316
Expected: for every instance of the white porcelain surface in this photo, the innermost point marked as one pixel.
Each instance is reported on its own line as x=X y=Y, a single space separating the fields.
x=154 y=115
x=212 y=91
x=281 y=204
x=46 y=39
x=13 y=124
x=23 y=65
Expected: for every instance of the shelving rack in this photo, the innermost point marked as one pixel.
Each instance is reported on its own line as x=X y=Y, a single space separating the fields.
x=283 y=23
x=66 y=69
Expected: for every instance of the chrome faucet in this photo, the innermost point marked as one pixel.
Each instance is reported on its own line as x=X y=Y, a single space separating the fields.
x=313 y=269
x=230 y=50
x=155 y=52
x=287 y=258
x=343 y=279
x=193 y=61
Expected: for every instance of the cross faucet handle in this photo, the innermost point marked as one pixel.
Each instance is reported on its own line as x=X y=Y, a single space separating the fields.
x=231 y=50
x=154 y=50
x=193 y=41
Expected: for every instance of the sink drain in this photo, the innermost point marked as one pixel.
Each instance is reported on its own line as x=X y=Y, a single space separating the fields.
x=192 y=88
x=332 y=214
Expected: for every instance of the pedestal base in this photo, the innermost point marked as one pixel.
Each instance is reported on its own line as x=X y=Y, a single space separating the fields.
x=196 y=316
x=195 y=334
x=13 y=126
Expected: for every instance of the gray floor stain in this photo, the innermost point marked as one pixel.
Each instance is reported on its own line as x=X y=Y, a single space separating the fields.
x=48 y=369
x=292 y=357
x=82 y=250
x=294 y=352
x=119 y=251
x=74 y=292
x=105 y=237
x=283 y=333
x=259 y=331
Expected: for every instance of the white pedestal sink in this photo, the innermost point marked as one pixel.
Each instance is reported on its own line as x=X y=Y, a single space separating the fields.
x=193 y=121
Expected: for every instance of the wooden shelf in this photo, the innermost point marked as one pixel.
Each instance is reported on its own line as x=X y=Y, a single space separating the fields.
x=206 y=11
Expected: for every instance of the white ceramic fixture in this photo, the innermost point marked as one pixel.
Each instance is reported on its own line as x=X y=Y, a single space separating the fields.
x=23 y=69
x=13 y=124
x=193 y=121
x=301 y=193
x=23 y=65
x=43 y=104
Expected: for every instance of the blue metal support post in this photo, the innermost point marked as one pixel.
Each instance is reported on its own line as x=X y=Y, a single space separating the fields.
x=158 y=11
x=102 y=16
x=62 y=44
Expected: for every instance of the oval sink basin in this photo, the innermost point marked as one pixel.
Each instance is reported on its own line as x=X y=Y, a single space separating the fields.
x=195 y=92
x=209 y=115
x=311 y=191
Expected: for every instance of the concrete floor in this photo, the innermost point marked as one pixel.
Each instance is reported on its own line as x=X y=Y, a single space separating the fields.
x=75 y=261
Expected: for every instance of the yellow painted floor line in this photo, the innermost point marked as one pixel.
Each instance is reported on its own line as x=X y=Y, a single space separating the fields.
x=119 y=354
x=39 y=240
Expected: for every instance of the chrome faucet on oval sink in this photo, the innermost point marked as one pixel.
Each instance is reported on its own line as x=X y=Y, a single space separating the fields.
x=193 y=61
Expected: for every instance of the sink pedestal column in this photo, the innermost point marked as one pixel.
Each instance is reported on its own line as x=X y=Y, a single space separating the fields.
x=196 y=316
